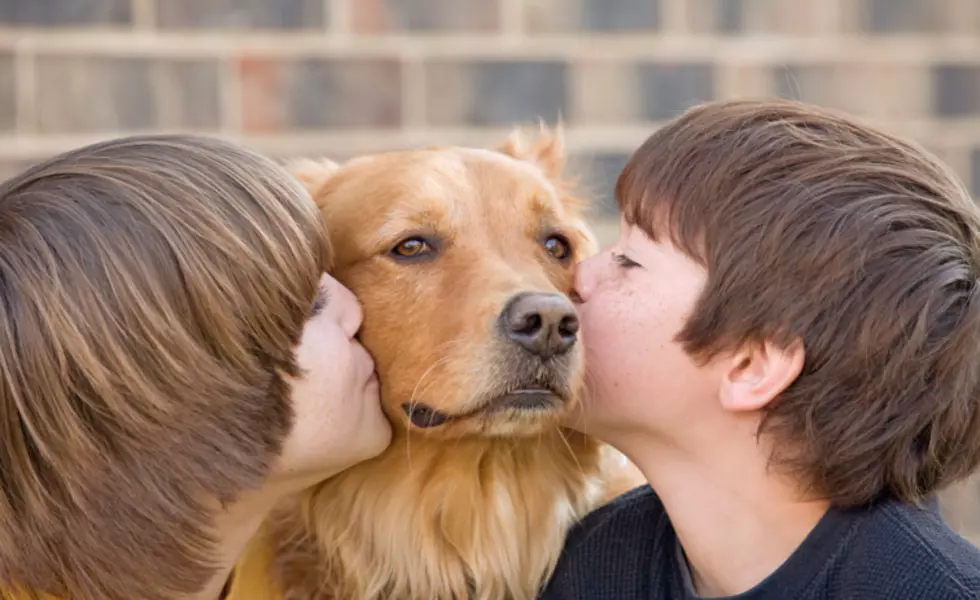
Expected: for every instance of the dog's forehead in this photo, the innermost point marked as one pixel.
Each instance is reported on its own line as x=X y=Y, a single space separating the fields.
x=437 y=177
x=524 y=172
x=461 y=170
x=446 y=189
x=429 y=186
x=423 y=173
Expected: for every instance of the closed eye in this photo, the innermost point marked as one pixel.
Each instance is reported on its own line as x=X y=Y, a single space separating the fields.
x=624 y=261
x=320 y=302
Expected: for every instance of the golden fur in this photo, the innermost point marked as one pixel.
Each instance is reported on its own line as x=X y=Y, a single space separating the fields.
x=480 y=506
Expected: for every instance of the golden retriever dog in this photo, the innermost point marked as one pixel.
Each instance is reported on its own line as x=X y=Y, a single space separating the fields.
x=463 y=260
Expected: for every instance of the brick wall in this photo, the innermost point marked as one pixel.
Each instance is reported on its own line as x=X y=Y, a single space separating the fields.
x=342 y=77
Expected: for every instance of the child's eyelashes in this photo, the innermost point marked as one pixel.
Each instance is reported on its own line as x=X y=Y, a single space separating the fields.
x=320 y=302
x=624 y=261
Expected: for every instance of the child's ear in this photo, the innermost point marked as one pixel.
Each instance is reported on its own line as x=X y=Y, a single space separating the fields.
x=758 y=373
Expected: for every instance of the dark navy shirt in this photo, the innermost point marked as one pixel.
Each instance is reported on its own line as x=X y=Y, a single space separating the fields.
x=627 y=550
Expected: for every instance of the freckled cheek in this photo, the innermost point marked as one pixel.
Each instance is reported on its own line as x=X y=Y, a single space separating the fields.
x=606 y=326
x=629 y=335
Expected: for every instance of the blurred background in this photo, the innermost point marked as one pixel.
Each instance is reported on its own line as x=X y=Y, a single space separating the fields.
x=342 y=77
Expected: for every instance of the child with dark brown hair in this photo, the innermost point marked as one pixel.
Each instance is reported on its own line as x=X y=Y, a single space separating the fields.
x=786 y=340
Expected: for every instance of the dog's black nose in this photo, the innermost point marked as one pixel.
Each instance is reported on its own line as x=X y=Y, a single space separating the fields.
x=545 y=324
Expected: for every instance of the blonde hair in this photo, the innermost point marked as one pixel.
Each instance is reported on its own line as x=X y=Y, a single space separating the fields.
x=152 y=290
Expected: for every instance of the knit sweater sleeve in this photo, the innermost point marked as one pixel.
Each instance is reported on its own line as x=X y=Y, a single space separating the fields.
x=611 y=553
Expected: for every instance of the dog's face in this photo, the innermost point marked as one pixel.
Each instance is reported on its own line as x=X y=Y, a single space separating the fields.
x=462 y=259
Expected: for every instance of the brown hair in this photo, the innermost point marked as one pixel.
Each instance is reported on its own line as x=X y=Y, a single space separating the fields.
x=813 y=226
x=152 y=290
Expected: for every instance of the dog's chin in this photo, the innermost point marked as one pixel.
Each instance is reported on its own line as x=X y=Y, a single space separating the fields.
x=514 y=423
x=520 y=413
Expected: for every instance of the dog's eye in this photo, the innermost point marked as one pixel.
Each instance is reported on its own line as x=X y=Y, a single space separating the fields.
x=558 y=247
x=411 y=248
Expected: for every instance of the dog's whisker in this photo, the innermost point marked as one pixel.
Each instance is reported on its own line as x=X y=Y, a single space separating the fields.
x=439 y=361
x=413 y=400
x=571 y=452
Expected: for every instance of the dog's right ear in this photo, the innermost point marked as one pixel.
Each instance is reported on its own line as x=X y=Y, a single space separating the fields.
x=312 y=173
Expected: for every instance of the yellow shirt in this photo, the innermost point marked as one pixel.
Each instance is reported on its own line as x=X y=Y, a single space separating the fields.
x=249 y=582
x=251 y=578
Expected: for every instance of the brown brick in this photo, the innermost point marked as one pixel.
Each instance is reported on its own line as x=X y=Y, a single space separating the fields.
x=320 y=93
x=955 y=89
x=620 y=92
x=740 y=80
x=494 y=93
x=240 y=14
x=372 y=16
x=958 y=159
x=597 y=174
x=880 y=85
x=898 y=16
x=548 y=16
x=94 y=94
x=721 y=16
x=809 y=83
x=91 y=94
x=604 y=92
x=862 y=89
x=9 y=168
x=965 y=17
x=8 y=94
x=188 y=94
x=816 y=83
x=669 y=88
x=729 y=15
x=59 y=13
x=799 y=17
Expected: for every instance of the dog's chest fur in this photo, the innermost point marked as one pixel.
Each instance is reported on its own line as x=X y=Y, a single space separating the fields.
x=466 y=522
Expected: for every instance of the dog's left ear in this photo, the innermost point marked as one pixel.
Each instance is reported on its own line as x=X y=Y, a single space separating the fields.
x=547 y=151
x=313 y=174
